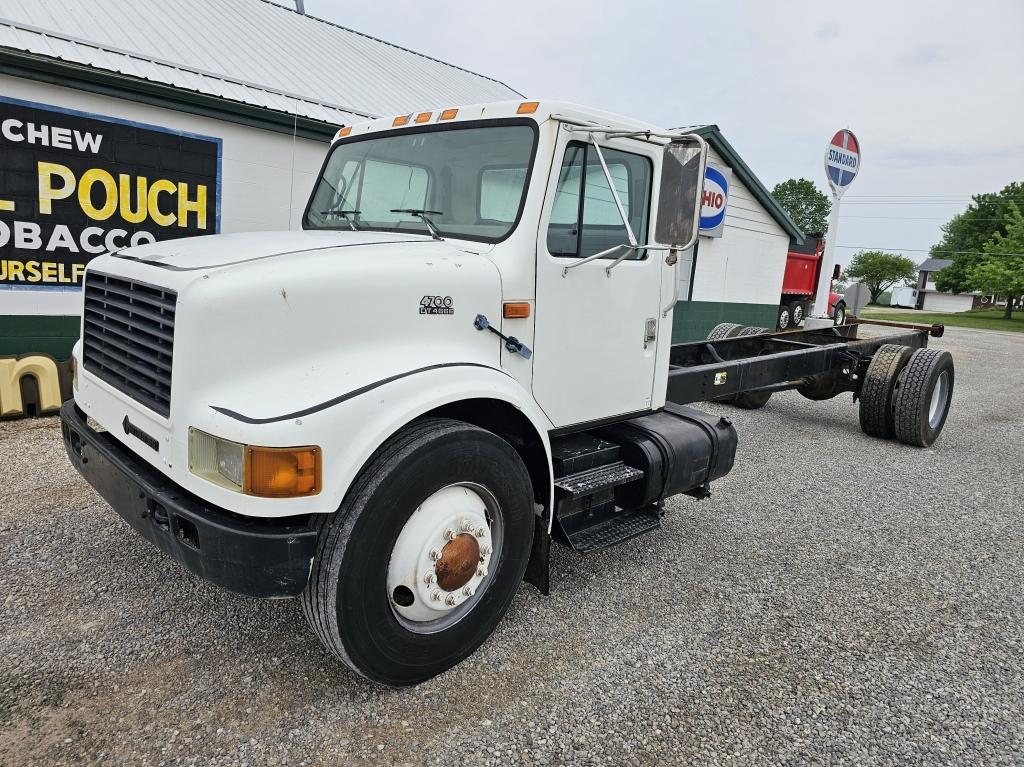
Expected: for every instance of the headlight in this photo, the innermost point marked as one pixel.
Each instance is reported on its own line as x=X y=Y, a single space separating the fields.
x=269 y=472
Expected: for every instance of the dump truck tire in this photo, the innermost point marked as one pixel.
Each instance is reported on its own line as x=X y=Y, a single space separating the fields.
x=797 y=311
x=724 y=330
x=783 y=321
x=876 y=394
x=923 y=396
x=349 y=602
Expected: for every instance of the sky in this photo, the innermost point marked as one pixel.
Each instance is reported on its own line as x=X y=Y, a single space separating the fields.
x=933 y=90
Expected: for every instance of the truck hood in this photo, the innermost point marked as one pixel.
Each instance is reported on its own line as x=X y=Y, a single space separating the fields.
x=217 y=250
x=279 y=322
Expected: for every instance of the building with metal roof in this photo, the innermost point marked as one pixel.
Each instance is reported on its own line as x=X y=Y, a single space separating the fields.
x=247 y=56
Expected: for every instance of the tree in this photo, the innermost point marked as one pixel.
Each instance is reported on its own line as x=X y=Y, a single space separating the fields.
x=965 y=235
x=880 y=271
x=1001 y=270
x=803 y=202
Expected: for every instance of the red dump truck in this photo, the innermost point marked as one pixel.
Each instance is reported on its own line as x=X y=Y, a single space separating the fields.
x=800 y=283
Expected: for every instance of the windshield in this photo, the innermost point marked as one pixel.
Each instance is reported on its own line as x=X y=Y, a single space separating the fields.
x=466 y=181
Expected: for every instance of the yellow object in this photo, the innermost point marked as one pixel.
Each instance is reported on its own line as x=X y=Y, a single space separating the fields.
x=449 y=114
x=282 y=472
x=423 y=117
x=527 y=107
x=400 y=120
x=344 y=131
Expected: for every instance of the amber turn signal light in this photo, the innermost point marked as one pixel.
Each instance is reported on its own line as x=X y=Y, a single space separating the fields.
x=400 y=120
x=449 y=114
x=344 y=131
x=282 y=472
x=515 y=310
x=527 y=107
x=423 y=117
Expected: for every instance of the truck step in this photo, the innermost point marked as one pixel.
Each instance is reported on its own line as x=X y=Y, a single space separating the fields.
x=595 y=480
x=612 y=527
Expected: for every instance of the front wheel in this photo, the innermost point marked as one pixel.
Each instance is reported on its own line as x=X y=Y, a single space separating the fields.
x=421 y=561
x=839 y=314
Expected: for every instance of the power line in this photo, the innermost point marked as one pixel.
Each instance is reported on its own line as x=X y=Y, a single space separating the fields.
x=916 y=218
x=929 y=250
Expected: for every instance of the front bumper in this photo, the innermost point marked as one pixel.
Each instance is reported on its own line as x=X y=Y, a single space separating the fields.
x=256 y=557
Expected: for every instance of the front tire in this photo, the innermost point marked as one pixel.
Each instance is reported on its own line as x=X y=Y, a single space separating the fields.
x=364 y=599
x=839 y=314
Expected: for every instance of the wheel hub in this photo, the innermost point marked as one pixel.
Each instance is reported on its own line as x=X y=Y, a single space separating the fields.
x=459 y=560
x=439 y=562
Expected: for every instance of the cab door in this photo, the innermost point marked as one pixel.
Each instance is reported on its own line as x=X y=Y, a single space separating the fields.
x=595 y=329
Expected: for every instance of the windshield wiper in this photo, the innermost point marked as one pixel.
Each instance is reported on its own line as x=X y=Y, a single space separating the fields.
x=434 y=231
x=345 y=215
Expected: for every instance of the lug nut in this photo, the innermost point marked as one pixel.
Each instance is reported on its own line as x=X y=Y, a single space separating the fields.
x=481 y=572
x=467 y=525
x=481 y=532
x=485 y=550
x=468 y=591
x=435 y=596
x=435 y=554
x=429 y=578
x=449 y=534
x=449 y=600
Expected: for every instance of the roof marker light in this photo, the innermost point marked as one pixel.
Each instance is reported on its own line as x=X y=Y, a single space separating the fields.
x=423 y=117
x=449 y=114
x=527 y=107
x=400 y=120
x=344 y=132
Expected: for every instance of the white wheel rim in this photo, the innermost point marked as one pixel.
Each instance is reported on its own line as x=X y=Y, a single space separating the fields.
x=798 y=314
x=465 y=511
x=784 y=320
x=940 y=394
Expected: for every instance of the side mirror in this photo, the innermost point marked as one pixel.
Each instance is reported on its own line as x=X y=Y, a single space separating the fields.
x=679 y=200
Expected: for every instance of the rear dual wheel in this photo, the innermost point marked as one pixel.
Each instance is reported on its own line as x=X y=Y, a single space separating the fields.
x=421 y=561
x=906 y=394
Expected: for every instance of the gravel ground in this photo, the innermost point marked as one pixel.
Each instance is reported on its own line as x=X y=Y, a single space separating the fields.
x=839 y=600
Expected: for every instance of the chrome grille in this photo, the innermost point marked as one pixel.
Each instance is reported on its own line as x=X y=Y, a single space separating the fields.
x=128 y=338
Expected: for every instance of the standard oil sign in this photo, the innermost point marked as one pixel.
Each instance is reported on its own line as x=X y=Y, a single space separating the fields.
x=74 y=185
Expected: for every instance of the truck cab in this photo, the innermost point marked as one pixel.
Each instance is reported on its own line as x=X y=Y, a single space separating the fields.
x=489 y=270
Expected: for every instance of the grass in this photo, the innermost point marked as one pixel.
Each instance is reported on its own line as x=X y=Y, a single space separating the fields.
x=983 y=319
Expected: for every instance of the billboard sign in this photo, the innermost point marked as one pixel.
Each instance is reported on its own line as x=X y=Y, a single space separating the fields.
x=74 y=185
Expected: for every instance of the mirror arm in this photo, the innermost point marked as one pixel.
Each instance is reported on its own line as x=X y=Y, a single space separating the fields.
x=588 y=259
x=615 y=194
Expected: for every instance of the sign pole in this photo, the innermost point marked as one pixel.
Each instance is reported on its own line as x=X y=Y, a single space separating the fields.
x=842 y=163
x=828 y=260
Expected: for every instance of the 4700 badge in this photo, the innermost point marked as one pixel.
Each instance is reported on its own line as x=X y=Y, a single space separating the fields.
x=437 y=305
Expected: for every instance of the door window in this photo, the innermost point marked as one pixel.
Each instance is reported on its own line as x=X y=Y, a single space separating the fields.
x=582 y=195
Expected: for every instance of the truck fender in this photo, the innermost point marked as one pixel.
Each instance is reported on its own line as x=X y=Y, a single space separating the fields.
x=360 y=425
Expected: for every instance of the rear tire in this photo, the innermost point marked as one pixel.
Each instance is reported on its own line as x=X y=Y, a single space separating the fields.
x=784 y=320
x=724 y=330
x=797 y=311
x=922 y=397
x=876 y=395
x=753 y=330
x=347 y=601
x=757 y=399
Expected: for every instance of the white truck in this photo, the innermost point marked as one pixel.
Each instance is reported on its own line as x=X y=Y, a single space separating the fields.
x=464 y=355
